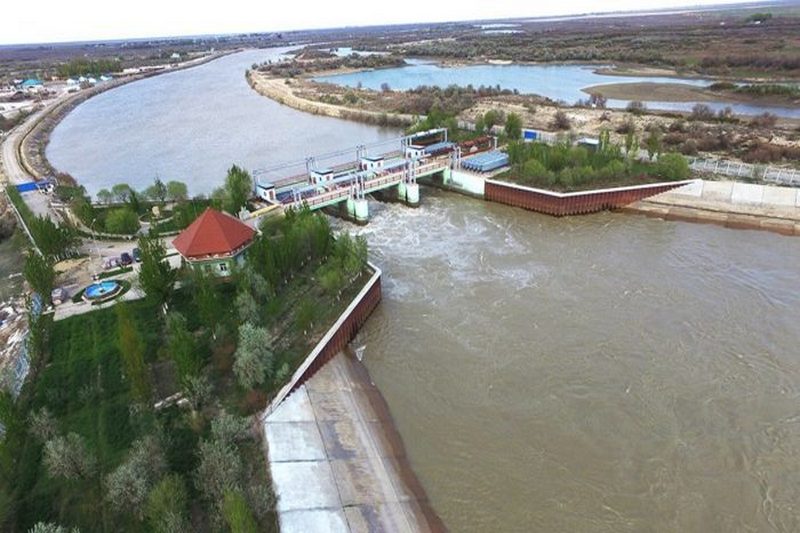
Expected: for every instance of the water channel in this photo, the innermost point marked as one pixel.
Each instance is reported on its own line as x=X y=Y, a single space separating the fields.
x=559 y=82
x=600 y=373
x=192 y=125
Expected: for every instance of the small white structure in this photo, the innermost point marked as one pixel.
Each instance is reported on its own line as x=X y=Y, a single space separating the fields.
x=72 y=82
x=374 y=163
x=265 y=191
x=414 y=151
x=175 y=56
x=318 y=176
x=589 y=142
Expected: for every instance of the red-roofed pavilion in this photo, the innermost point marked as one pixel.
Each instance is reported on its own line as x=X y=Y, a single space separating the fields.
x=214 y=242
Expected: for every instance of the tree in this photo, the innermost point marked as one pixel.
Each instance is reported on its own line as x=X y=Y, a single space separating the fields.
x=653 y=143
x=166 y=506
x=513 y=126
x=49 y=527
x=104 y=196
x=385 y=88
x=238 y=189
x=247 y=308
x=122 y=192
x=122 y=221
x=159 y=190
x=237 y=513
x=253 y=357
x=43 y=425
x=492 y=118
x=39 y=273
x=197 y=391
x=128 y=486
x=182 y=347
x=53 y=240
x=131 y=349
x=219 y=470
x=205 y=297
x=156 y=276
x=68 y=457
x=177 y=191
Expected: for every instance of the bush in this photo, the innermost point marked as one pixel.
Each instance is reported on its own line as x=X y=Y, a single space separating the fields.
x=122 y=221
x=561 y=121
x=626 y=127
x=672 y=167
x=701 y=112
x=636 y=107
x=764 y=120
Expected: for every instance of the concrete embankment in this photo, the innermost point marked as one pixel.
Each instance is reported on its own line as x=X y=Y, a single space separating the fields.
x=336 y=459
x=338 y=463
x=728 y=203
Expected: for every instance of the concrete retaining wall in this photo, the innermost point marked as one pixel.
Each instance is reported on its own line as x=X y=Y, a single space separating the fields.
x=734 y=192
x=342 y=332
x=573 y=203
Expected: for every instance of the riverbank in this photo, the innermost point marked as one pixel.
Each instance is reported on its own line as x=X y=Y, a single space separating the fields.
x=677 y=92
x=282 y=90
x=337 y=461
x=31 y=145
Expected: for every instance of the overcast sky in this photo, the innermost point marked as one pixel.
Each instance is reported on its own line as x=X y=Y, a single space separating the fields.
x=81 y=20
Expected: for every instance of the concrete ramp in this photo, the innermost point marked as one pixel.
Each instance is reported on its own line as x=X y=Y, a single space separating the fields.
x=337 y=462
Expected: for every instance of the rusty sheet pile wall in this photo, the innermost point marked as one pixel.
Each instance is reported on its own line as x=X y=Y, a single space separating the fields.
x=335 y=340
x=578 y=203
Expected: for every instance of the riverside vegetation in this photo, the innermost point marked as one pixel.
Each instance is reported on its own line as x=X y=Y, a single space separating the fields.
x=140 y=415
x=97 y=440
x=565 y=167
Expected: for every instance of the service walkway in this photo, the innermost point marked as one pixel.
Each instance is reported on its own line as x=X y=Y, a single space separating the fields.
x=337 y=462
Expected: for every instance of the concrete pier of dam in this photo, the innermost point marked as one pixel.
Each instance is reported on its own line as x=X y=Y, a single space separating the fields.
x=338 y=463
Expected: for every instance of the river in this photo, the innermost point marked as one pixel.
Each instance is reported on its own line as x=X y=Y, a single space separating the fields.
x=561 y=82
x=600 y=373
x=192 y=125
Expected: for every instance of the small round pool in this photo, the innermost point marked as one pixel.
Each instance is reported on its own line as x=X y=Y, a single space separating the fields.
x=103 y=290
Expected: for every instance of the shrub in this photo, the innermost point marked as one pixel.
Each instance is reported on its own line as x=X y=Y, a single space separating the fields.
x=764 y=120
x=701 y=112
x=672 y=167
x=561 y=121
x=636 y=107
x=626 y=127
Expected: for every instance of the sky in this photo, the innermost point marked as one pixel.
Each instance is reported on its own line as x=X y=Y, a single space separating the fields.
x=84 y=20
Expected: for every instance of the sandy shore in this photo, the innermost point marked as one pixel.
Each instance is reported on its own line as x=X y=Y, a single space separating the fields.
x=337 y=461
x=277 y=89
x=678 y=92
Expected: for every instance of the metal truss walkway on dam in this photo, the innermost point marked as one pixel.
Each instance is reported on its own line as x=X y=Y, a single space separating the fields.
x=334 y=178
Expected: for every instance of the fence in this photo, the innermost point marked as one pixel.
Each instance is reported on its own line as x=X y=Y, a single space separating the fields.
x=782 y=176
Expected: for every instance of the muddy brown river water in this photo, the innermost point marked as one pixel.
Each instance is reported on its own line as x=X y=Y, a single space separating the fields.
x=601 y=373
